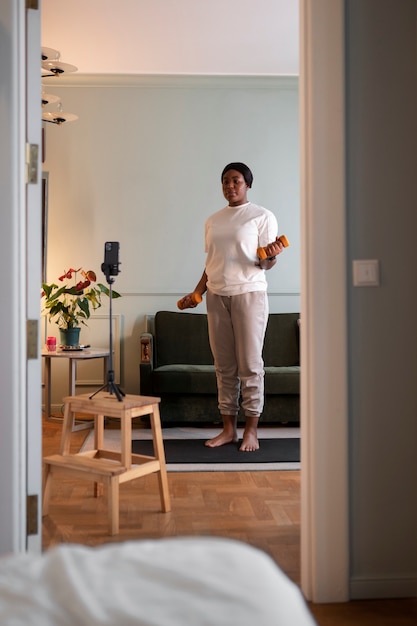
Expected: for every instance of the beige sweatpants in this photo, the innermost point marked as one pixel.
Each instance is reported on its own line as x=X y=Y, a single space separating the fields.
x=237 y=327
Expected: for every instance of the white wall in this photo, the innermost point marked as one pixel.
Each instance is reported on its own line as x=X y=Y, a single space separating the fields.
x=142 y=166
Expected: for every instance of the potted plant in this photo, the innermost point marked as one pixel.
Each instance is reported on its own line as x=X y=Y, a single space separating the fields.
x=70 y=304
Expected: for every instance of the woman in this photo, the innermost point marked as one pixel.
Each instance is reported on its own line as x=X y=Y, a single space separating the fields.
x=237 y=302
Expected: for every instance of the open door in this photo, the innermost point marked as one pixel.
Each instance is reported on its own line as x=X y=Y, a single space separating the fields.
x=33 y=246
x=20 y=258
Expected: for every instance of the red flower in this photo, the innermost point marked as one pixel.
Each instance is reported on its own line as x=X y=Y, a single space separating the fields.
x=90 y=275
x=68 y=274
x=82 y=285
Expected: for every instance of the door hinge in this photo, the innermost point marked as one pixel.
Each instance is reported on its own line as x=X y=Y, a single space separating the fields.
x=32 y=515
x=32 y=4
x=32 y=339
x=32 y=153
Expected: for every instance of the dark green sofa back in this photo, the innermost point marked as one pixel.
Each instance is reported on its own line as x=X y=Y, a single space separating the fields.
x=183 y=338
x=282 y=338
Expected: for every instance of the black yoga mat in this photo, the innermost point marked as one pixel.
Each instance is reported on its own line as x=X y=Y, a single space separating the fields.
x=285 y=450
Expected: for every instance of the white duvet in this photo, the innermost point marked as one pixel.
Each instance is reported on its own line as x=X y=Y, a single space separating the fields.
x=164 y=582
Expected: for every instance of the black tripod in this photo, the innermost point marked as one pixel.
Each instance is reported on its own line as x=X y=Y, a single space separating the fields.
x=110 y=270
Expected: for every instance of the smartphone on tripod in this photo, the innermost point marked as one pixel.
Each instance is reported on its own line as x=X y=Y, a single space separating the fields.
x=110 y=267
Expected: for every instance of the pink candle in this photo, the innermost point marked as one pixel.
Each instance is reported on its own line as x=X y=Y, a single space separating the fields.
x=51 y=344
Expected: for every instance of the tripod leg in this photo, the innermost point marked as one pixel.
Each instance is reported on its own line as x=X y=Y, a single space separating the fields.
x=106 y=386
x=113 y=388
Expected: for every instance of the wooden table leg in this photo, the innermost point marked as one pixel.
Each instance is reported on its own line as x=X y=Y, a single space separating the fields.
x=47 y=381
x=72 y=381
x=106 y=361
x=72 y=375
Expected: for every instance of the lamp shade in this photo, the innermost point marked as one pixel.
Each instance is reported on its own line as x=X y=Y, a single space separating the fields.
x=49 y=98
x=58 y=117
x=49 y=54
x=56 y=68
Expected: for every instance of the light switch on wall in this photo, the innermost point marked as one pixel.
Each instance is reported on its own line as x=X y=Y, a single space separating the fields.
x=366 y=273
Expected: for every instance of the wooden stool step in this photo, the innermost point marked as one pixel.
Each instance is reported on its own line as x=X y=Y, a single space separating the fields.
x=85 y=463
x=104 y=466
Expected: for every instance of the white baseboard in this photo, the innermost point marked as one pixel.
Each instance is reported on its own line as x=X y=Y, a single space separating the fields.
x=56 y=409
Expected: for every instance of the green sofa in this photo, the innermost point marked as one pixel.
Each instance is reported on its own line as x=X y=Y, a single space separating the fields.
x=176 y=365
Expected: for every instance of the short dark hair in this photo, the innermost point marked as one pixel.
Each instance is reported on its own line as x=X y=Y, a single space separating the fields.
x=243 y=169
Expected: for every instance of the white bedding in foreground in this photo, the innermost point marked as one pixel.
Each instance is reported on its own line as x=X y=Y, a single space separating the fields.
x=164 y=582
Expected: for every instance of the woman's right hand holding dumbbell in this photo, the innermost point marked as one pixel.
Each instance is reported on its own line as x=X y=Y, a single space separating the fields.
x=272 y=249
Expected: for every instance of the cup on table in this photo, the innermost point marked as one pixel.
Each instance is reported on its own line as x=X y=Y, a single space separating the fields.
x=51 y=344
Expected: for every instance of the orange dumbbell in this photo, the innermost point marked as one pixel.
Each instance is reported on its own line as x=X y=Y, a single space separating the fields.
x=261 y=251
x=195 y=297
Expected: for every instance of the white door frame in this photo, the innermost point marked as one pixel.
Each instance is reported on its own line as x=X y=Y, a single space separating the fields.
x=12 y=260
x=33 y=266
x=20 y=413
x=324 y=397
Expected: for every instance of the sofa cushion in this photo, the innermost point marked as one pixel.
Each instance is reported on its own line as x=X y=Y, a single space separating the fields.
x=182 y=378
x=282 y=380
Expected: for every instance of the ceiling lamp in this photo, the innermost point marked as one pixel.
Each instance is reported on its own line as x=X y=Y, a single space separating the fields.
x=52 y=66
x=56 y=68
x=58 y=117
x=49 y=54
x=48 y=98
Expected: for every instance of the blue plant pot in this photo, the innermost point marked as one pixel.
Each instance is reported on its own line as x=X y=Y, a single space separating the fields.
x=69 y=336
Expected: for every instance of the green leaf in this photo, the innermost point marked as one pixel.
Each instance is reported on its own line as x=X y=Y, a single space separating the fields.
x=84 y=306
x=106 y=290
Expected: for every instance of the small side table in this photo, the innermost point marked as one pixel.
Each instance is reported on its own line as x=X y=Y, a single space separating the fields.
x=72 y=357
x=106 y=466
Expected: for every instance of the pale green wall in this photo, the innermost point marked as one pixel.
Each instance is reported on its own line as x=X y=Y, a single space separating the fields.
x=142 y=166
x=382 y=222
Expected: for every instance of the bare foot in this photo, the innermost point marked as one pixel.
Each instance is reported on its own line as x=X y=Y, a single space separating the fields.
x=221 y=439
x=250 y=442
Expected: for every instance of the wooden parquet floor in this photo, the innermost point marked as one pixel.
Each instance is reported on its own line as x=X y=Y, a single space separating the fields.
x=259 y=508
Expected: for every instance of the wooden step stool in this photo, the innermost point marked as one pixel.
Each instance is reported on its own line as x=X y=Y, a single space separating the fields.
x=105 y=466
